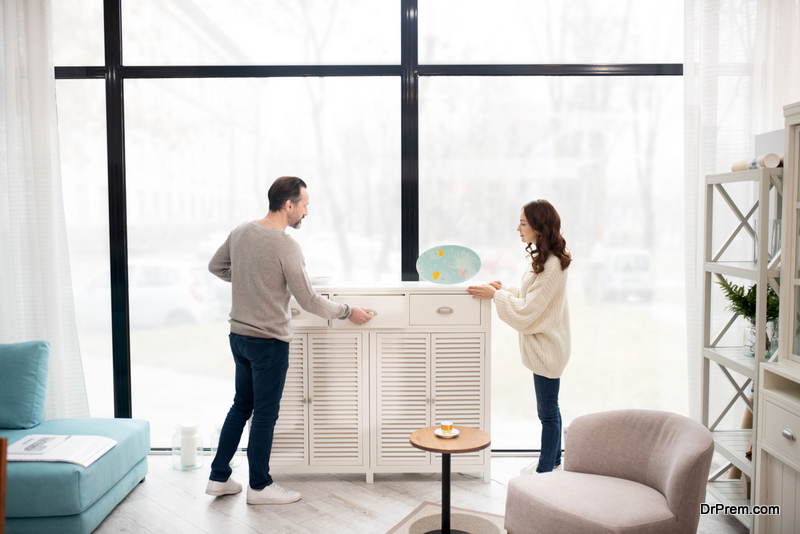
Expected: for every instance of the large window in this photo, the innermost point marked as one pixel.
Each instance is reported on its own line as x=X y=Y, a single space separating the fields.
x=201 y=155
x=603 y=151
x=201 y=148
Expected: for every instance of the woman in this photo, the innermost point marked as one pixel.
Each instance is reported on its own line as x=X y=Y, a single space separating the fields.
x=538 y=310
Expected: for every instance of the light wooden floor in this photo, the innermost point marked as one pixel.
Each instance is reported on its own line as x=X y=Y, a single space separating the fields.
x=174 y=502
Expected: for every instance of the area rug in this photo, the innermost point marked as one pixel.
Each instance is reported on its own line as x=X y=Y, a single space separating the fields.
x=428 y=516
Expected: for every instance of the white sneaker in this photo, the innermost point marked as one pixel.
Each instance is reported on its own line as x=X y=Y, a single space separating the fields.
x=229 y=487
x=531 y=469
x=272 y=494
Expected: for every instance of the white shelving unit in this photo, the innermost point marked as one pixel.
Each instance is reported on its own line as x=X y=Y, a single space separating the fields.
x=732 y=444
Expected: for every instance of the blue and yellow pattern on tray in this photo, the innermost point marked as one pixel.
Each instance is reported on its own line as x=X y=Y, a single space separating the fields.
x=448 y=264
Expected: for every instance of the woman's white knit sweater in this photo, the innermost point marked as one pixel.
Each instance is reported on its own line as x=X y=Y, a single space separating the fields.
x=538 y=310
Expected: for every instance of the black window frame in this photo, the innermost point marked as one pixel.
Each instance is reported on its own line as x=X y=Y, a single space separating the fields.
x=409 y=71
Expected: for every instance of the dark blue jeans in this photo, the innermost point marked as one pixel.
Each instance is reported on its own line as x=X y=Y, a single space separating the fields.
x=550 y=416
x=261 y=366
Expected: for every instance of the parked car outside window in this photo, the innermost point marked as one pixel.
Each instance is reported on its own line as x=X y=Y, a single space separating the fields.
x=162 y=293
x=620 y=274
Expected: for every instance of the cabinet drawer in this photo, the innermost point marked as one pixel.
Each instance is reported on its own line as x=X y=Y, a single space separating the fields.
x=390 y=311
x=300 y=317
x=776 y=421
x=445 y=310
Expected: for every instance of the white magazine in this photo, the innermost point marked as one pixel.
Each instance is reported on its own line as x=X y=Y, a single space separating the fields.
x=81 y=450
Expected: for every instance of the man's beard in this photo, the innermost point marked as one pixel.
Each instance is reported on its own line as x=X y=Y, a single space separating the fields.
x=297 y=223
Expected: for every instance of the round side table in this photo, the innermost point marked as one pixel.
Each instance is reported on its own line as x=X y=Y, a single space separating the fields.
x=468 y=440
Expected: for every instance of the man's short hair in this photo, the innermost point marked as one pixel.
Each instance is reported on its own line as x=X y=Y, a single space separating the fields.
x=283 y=189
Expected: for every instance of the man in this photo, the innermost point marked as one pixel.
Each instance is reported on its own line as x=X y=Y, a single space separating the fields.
x=265 y=267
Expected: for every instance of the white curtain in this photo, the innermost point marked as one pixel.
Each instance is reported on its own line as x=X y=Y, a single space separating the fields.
x=35 y=283
x=741 y=66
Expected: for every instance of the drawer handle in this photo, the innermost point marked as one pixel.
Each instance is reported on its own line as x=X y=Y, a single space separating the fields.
x=787 y=433
x=295 y=312
x=372 y=313
x=444 y=310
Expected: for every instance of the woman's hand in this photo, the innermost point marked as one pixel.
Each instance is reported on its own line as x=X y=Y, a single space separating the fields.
x=486 y=291
x=497 y=284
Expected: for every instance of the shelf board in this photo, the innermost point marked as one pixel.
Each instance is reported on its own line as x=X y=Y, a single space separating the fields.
x=739 y=269
x=732 y=444
x=733 y=359
x=742 y=176
x=731 y=493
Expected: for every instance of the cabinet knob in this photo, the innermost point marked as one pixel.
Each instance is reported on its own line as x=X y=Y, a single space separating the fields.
x=787 y=433
x=372 y=313
x=444 y=310
x=295 y=311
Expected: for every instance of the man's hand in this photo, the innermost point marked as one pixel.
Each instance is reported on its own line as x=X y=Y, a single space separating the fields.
x=359 y=316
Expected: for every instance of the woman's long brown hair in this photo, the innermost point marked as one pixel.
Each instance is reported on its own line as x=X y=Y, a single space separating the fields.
x=543 y=217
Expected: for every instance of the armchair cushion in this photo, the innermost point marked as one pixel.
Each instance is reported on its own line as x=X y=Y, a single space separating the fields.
x=565 y=502
x=23 y=383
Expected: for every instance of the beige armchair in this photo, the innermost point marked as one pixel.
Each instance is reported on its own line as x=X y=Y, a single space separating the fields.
x=631 y=471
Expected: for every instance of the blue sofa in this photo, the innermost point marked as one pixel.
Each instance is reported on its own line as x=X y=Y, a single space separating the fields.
x=59 y=496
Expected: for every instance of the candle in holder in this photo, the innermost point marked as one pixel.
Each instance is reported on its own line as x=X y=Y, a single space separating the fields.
x=186 y=443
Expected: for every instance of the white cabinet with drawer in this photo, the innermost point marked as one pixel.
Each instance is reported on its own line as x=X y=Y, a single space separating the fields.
x=777 y=451
x=356 y=393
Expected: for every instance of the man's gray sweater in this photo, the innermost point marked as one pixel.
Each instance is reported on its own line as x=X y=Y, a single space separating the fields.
x=265 y=267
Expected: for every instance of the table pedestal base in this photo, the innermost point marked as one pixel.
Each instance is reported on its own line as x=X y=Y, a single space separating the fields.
x=446 y=500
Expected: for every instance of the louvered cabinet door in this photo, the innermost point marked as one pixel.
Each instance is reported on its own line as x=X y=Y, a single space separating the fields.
x=403 y=393
x=458 y=364
x=290 y=441
x=337 y=400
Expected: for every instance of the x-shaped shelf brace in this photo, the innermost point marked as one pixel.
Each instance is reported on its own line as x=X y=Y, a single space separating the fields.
x=739 y=394
x=719 y=472
x=776 y=183
x=743 y=224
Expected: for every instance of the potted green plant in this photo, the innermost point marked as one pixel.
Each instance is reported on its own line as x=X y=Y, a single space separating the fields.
x=743 y=302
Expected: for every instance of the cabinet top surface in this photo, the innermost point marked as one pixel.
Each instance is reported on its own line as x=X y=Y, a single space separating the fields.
x=468 y=440
x=394 y=288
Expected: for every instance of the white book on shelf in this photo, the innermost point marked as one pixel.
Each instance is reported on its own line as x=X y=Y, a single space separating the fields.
x=81 y=450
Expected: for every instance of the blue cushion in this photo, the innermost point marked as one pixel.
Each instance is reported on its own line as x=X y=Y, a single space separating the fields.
x=86 y=521
x=41 y=489
x=23 y=383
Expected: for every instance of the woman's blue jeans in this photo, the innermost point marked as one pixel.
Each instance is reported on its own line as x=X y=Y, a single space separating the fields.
x=261 y=366
x=550 y=417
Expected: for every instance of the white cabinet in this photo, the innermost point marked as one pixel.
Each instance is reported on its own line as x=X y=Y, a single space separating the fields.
x=777 y=451
x=354 y=394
